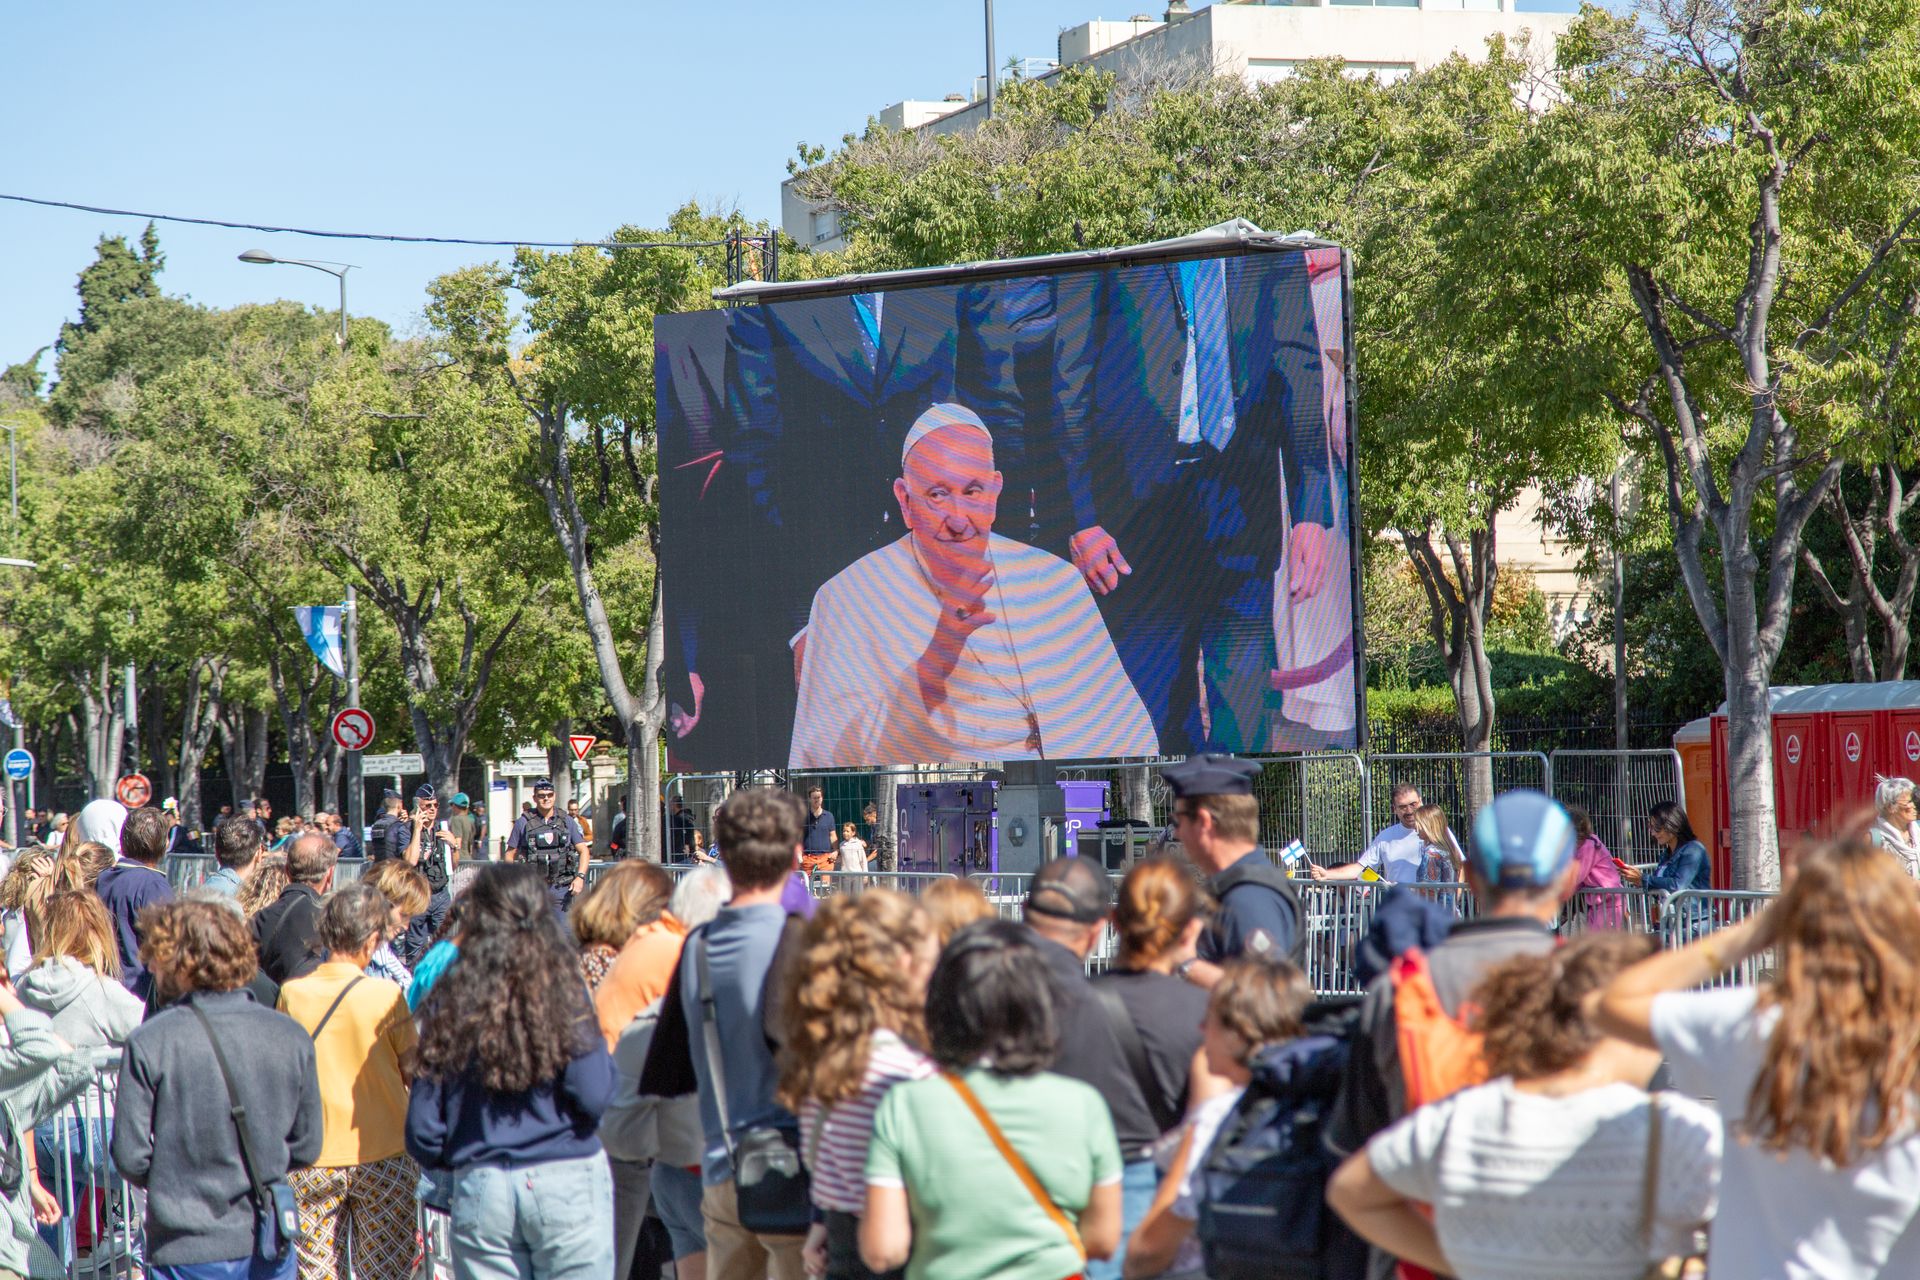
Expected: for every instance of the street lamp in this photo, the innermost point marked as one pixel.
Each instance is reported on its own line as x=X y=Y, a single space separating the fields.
x=260 y=257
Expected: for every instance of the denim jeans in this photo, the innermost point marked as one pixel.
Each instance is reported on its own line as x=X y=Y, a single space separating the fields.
x=549 y=1221
x=1139 y=1179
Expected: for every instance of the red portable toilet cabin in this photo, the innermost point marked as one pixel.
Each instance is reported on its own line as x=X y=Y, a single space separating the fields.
x=1831 y=743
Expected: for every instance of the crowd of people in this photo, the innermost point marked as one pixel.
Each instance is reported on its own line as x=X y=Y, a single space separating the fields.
x=698 y=1075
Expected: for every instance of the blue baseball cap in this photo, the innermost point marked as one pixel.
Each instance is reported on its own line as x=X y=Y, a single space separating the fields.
x=1523 y=840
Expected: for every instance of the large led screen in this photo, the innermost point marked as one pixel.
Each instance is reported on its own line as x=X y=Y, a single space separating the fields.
x=1088 y=512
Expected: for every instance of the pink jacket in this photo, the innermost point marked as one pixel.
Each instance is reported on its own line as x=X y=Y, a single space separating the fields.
x=1595 y=860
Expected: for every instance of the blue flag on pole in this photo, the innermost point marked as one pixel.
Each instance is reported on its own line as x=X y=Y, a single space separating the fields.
x=320 y=623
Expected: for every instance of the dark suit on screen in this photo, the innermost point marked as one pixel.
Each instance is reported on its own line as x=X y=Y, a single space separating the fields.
x=1025 y=365
x=1201 y=525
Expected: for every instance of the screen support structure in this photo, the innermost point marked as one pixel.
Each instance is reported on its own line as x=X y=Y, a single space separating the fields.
x=753 y=258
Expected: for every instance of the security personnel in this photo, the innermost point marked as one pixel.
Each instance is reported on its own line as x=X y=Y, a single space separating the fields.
x=553 y=842
x=1217 y=821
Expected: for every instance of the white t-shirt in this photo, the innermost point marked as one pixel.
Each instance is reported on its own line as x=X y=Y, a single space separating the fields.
x=1792 y=1216
x=1525 y=1186
x=1397 y=853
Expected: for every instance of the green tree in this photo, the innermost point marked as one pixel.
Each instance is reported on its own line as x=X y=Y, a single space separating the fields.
x=1719 y=185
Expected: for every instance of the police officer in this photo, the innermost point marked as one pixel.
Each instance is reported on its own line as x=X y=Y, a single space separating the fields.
x=1217 y=822
x=422 y=841
x=379 y=832
x=553 y=842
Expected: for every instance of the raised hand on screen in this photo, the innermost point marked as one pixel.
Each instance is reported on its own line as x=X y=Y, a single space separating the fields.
x=682 y=721
x=1097 y=556
x=1311 y=546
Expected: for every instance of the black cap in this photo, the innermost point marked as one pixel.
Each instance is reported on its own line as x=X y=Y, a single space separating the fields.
x=1070 y=889
x=1211 y=774
x=543 y=784
x=423 y=792
x=388 y=793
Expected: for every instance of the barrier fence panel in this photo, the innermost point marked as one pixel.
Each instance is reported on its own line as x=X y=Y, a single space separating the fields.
x=1616 y=788
x=1695 y=913
x=698 y=794
x=98 y=1236
x=1449 y=779
x=188 y=870
x=826 y=884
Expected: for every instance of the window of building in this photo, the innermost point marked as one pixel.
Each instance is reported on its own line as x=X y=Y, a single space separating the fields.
x=824 y=224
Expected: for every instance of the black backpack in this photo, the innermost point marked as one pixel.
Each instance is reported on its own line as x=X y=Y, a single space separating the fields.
x=1262 y=1185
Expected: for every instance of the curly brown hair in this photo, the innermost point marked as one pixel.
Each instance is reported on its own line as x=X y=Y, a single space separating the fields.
x=1158 y=900
x=849 y=980
x=1530 y=1009
x=629 y=895
x=196 y=946
x=512 y=1008
x=263 y=888
x=1842 y=1063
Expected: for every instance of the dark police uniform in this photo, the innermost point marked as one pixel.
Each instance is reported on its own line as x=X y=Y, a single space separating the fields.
x=548 y=843
x=1259 y=911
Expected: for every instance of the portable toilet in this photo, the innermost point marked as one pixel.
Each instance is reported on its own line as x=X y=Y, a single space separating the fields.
x=1693 y=743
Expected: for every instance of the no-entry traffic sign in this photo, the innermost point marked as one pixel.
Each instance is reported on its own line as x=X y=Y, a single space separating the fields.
x=353 y=729
x=133 y=790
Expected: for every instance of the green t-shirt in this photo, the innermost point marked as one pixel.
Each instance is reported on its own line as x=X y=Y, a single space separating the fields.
x=972 y=1216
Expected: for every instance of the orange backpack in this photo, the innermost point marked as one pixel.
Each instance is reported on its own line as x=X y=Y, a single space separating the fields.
x=1439 y=1054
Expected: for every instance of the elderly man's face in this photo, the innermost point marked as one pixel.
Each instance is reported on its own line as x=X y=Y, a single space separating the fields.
x=949 y=496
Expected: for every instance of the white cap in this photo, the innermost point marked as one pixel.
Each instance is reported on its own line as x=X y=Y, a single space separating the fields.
x=938 y=416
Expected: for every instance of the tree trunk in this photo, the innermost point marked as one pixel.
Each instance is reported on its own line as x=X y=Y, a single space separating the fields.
x=560 y=766
x=205 y=677
x=442 y=741
x=293 y=698
x=105 y=727
x=640 y=718
x=1459 y=600
x=153 y=728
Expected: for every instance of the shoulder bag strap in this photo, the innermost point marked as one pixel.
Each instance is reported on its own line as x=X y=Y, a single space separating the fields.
x=1019 y=1166
x=257 y=1188
x=710 y=1029
x=328 y=1015
x=1134 y=1049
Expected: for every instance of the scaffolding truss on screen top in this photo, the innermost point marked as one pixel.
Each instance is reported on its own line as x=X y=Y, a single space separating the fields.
x=754 y=258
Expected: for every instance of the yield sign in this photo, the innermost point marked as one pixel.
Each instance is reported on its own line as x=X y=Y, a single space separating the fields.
x=581 y=744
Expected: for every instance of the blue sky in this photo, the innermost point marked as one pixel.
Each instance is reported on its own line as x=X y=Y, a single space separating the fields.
x=553 y=121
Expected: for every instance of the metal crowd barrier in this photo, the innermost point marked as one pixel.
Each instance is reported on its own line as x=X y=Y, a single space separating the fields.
x=188 y=870
x=98 y=1236
x=825 y=884
x=1617 y=788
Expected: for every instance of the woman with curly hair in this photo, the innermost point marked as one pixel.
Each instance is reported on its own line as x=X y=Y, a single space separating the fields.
x=263 y=888
x=854 y=1013
x=1544 y=1170
x=185 y=1073
x=1815 y=1069
x=511 y=1080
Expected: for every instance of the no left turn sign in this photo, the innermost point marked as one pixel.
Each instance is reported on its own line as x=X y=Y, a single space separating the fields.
x=353 y=729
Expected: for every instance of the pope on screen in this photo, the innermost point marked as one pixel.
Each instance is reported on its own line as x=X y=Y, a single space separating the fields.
x=954 y=643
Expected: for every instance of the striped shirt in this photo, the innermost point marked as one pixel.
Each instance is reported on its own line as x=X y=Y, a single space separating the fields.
x=838 y=1166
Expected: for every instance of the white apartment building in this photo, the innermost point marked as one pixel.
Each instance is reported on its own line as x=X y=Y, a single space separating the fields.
x=1264 y=42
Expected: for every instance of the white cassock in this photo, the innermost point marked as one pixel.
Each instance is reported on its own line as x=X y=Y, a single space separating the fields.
x=1044 y=666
